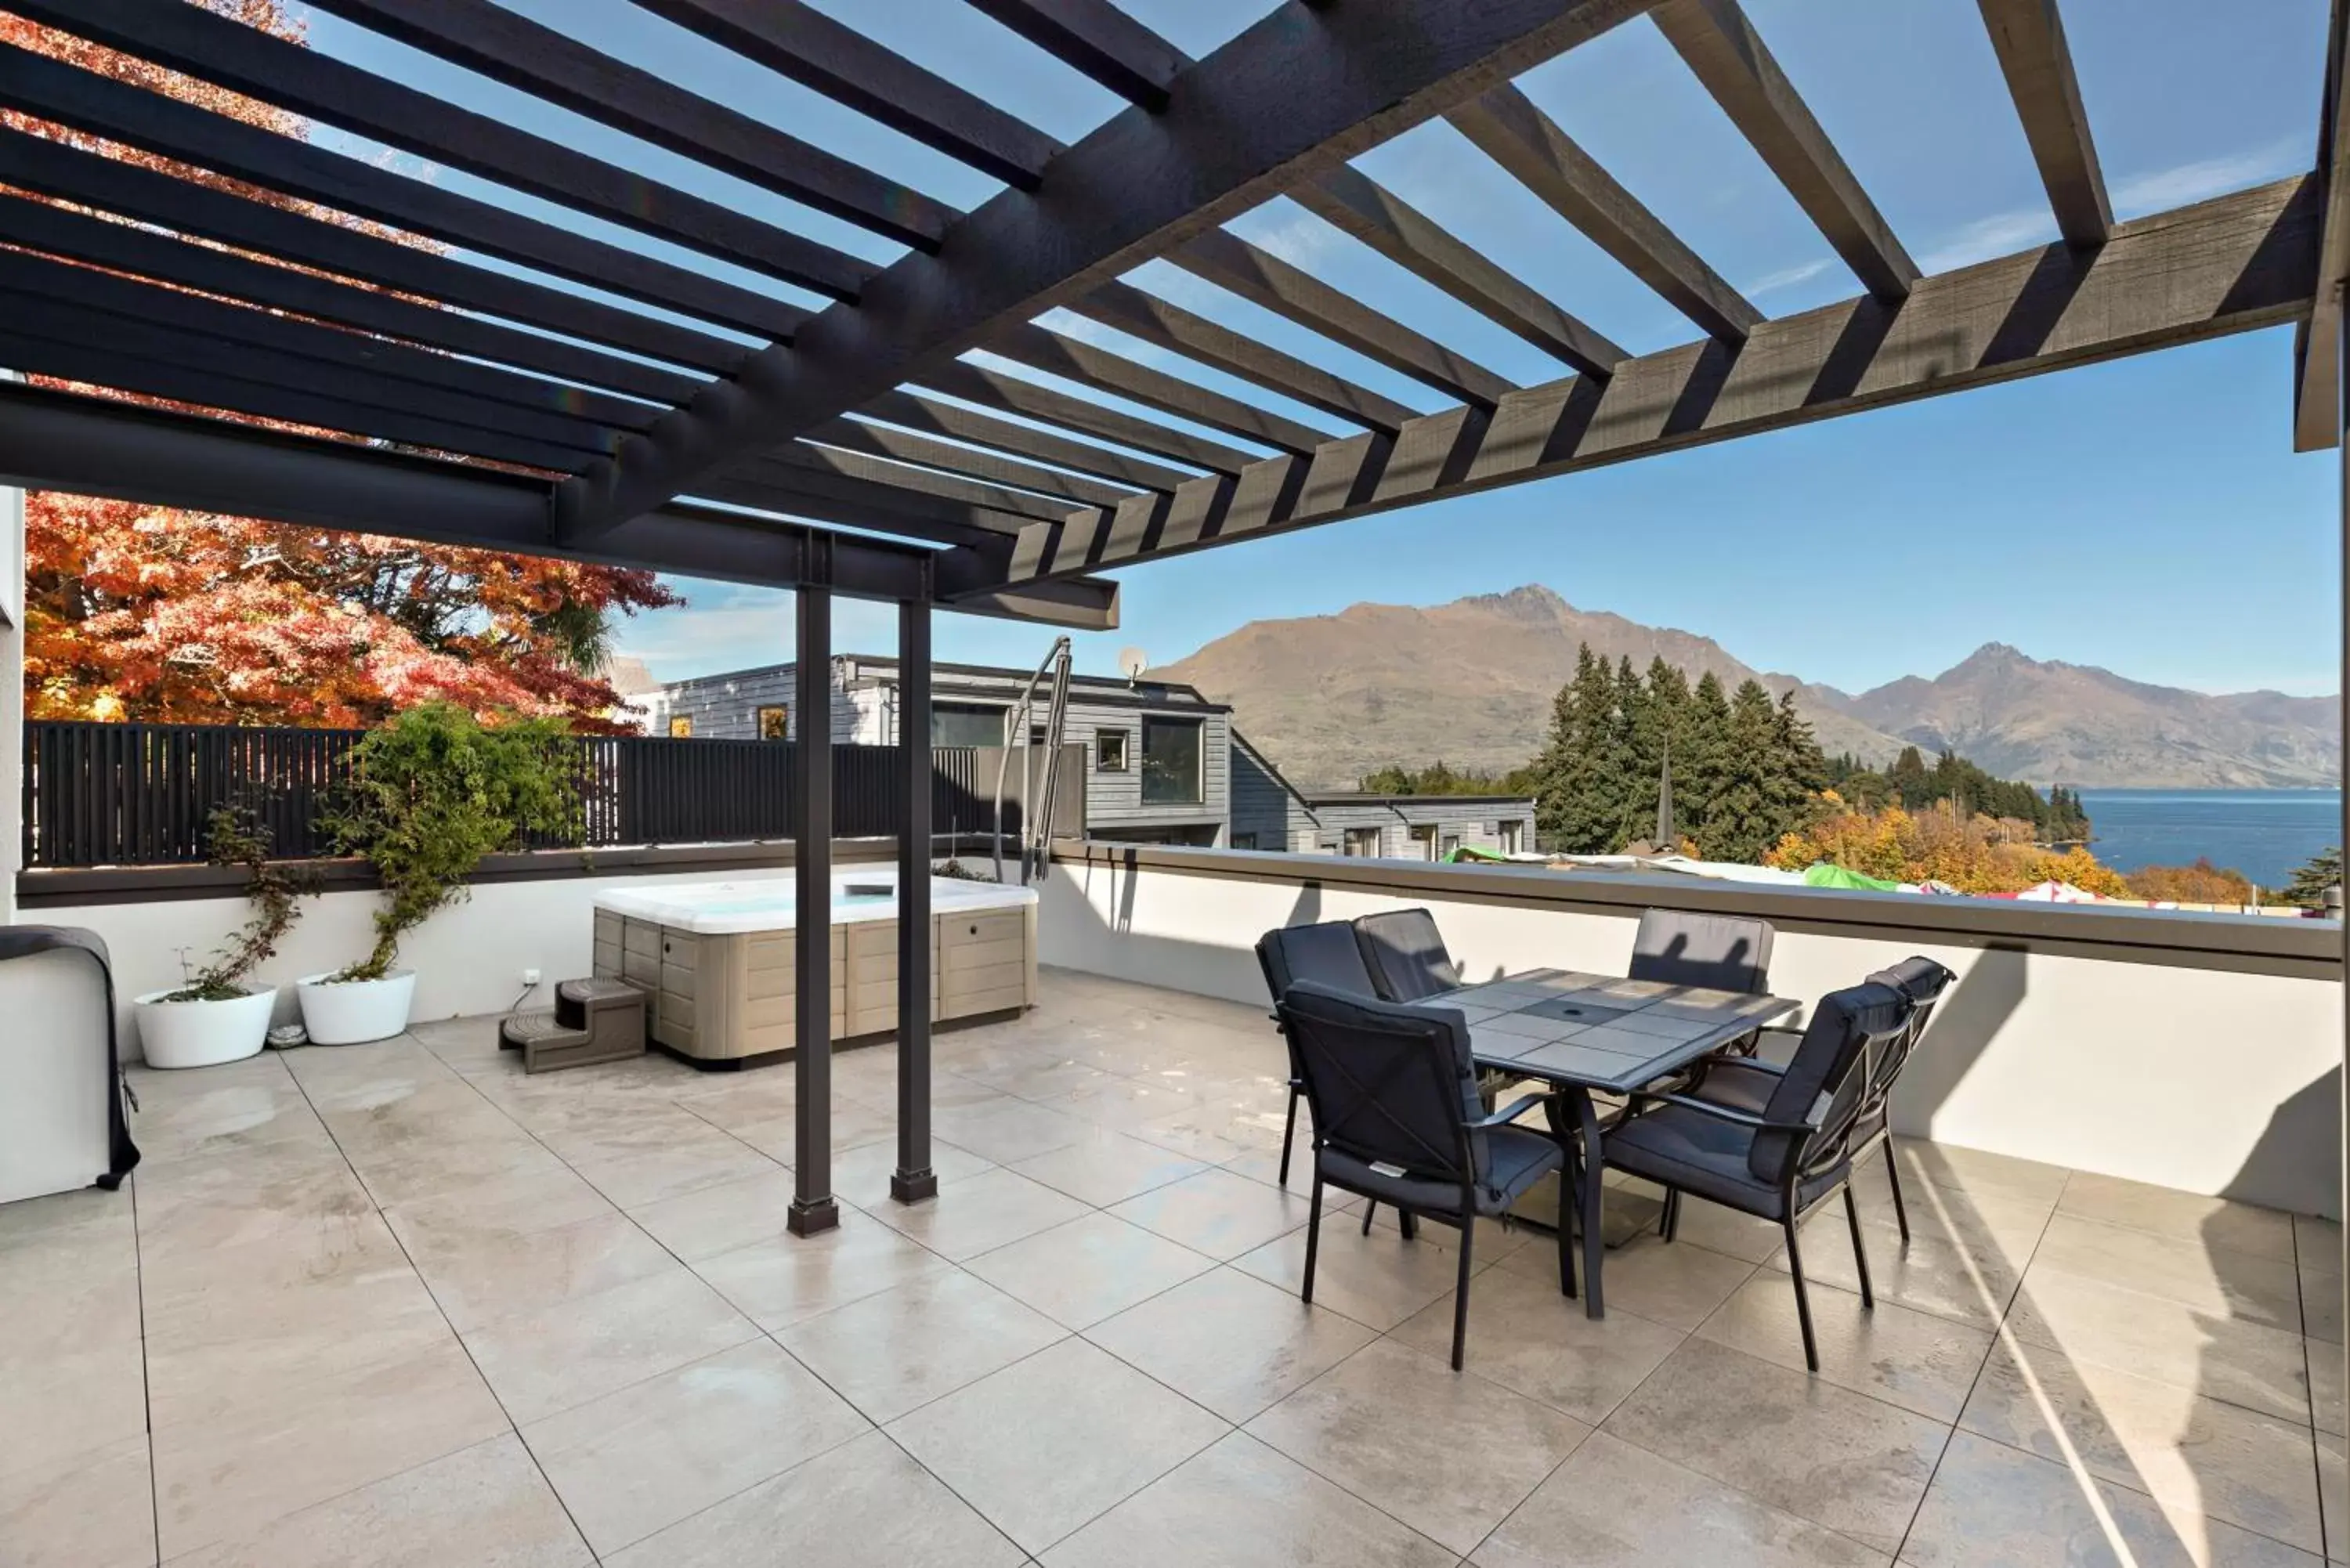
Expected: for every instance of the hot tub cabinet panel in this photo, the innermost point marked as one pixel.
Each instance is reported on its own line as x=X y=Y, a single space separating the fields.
x=728 y=995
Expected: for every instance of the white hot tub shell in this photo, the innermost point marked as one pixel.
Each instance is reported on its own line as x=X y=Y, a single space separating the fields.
x=715 y=959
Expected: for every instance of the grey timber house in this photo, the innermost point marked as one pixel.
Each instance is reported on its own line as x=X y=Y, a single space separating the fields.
x=1162 y=764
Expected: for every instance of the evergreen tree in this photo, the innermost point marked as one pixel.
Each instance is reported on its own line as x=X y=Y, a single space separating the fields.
x=2309 y=883
x=1698 y=777
x=1741 y=821
x=1798 y=770
x=1908 y=778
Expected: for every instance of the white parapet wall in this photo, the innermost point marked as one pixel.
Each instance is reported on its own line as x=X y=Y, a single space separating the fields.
x=2201 y=1053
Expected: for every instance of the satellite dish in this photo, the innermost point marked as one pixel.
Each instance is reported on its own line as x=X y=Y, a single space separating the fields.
x=1132 y=662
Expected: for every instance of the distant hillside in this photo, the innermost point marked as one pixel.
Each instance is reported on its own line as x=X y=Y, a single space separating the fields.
x=1331 y=697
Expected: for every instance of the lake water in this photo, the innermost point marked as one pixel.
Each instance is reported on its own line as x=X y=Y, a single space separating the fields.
x=2264 y=833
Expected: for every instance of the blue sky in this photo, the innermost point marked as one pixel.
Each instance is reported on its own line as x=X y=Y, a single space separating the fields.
x=2148 y=515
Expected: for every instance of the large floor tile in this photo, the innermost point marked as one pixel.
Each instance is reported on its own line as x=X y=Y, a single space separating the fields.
x=494 y=1273
x=2325 y=1388
x=785 y=1279
x=904 y=1347
x=1006 y=1129
x=1231 y=1342
x=2214 y=1280
x=636 y=1461
x=68 y=1278
x=861 y=1175
x=2189 y=1453
x=1612 y=1505
x=1090 y=1268
x=863 y=1504
x=94 y=1509
x=1378 y=1280
x=1675 y=1282
x=1105 y=1168
x=713 y=1219
x=63 y=1404
x=1219 y=1213
x=1242 y=1505
x=1991 y=1506
x=638 y=1176
x=980 y=1213
x=2246 y=1364
x=224 y=1477
x=485 y=1504
x=1050 y=1442
x=1972 y=1284
x=1905 y=1357
x=2166 y=1211
x=1961 y=1169
x=1840 y=1459
x=1448 y=1455
x=1526 y=1336
x=558 y=1356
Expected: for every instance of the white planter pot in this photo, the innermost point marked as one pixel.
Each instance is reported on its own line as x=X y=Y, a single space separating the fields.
x=350 y=1012
x=202 y=1034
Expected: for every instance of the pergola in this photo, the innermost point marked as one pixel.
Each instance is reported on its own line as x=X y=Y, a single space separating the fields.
x=857 y=451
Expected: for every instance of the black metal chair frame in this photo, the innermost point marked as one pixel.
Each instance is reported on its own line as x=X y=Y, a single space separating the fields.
x=1819 y=1148
x=1457 y=1166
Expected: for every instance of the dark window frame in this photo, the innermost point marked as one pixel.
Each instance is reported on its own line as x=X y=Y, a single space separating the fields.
x=1102 y=763
x=1198 y=785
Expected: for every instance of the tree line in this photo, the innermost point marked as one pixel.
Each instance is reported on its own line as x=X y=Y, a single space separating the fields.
x=1747 y=770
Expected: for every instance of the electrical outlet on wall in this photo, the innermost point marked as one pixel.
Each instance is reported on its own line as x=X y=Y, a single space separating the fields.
x=530 y=977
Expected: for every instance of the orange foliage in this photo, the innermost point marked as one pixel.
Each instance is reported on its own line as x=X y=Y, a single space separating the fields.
x=1982 y=856
x=141 y=612
x=2201 y=883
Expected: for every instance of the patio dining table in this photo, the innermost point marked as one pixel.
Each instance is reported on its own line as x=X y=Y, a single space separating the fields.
x=1587 y=1033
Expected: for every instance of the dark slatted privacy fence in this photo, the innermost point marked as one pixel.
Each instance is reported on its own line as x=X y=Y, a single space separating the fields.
x=142 y=795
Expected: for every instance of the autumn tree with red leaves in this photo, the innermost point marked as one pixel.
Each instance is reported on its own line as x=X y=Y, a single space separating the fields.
x=137 y=612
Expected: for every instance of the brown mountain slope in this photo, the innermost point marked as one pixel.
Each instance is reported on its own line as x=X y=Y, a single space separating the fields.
x=1331 y=697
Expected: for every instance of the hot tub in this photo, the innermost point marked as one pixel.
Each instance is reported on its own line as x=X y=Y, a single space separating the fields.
x=715 y=961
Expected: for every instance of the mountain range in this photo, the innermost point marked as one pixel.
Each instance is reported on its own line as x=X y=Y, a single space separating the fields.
x=1329 y=697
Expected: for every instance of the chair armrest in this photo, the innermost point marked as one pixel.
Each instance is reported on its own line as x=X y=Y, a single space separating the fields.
x=1512 y=1112
x=1725 y=1113
x=1750 y=1064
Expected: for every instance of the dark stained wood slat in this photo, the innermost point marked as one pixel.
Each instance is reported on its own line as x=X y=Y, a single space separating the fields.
x=1263 y=279
x=1168 y=326
x=119 y=112
x=1723 y=48
x=1351 y=201
x=1011 y=395
x=916 y=412
x=1097 y=38
x=61 y=231
x=542 y=408
x=1291 y=93
x=907 y=446
x=2317 y=412
x=143 y=358
x=53 y=168
x=889 y=473
x=1508 y=128
x=860 y=504
x=2237 y=264
x=511 y=48
x=2029 y=38
x=190 y=40
x=1074 y=359
x=804 y=43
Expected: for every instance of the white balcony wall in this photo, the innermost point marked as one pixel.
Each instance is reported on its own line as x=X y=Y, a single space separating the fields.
x=2203 y=1056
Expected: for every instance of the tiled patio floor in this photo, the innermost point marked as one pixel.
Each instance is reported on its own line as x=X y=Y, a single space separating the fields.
x=399 y=1305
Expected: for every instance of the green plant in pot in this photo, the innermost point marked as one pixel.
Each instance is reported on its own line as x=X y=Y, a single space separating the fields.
x=218 y=1016
x=432 y=794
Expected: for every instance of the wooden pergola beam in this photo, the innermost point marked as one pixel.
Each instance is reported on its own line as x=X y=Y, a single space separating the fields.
x=1074 y=359
x=800 y=42
x=1264 y=280
x=968 y=462
x=1508 y=128
x=2029 y=38
x=856 y=504
x=1301 y=90
x=1165 y=325
x=1097 y=38
x=193 y=41
x=509 y=47
x=890 y=473
x=2236 y=264
x=1350 y=201
x=1009 y=394
x=101 y=106
x=2317 y=412
x=1728 y=57
x=934 y=415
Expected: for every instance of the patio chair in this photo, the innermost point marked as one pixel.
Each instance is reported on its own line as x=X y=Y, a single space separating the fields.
x=1396 y=1119
x=1720 y=953
x=1406 y=955
x=1747 y=1084
x=1781 y=1162
x=1327 y=954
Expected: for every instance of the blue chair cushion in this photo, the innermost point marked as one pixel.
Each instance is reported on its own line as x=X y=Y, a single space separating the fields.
x=1516 y=1158
x=1707 y=1156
